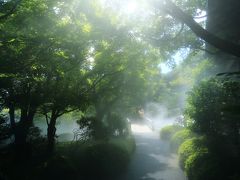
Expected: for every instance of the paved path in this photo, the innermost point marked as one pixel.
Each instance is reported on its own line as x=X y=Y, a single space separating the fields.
x=152 y=159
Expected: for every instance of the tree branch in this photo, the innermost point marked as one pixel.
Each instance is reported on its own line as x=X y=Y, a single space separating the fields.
x=47 y=119
x=219 y=43
x=66 y=111
x=179 y=32
x=206 y=50
x=200 y=17
x=98 y=80
x=11 y=11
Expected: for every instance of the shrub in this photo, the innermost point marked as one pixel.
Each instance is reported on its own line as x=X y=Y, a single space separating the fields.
x=213 y=107
x=108 y=158
x=128 y=144
x=167 y=132
x=178 y=138
x=213 y=112
x=56 y=167
x=4 y=127
x=105 y=159
x=98 y=158
x=202 y=165
x=111 y=125
x=117 y=125
x=190 y=147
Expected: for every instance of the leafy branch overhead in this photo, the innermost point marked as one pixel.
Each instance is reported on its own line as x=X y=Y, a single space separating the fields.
x=14 y=5
x=170 y=8
x=219 y=43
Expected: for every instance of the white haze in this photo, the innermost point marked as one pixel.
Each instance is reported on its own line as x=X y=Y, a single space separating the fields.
x=64 y=128
x=158 y=115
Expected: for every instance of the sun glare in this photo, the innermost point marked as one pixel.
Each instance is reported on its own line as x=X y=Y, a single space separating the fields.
x=131 y=7
x=127 y=8
x=140 y=128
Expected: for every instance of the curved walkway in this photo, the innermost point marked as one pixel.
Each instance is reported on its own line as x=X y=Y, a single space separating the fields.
x=152 y=159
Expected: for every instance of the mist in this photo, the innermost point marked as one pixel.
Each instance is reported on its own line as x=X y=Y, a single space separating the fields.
x=159 y=115
x=64 y=127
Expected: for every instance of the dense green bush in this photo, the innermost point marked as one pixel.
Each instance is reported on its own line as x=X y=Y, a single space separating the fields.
x=179 y=137
x=112 y=125
x=56 y=167
x=213 y=107
x=167 y=132
x=4 y=127
x=74 y=160
x=201 y=165
x=190 y=147
x=105 y=159
x=99 y=158
x=213 y=112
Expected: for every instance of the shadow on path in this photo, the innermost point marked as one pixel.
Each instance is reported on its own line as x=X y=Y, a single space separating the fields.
x=152 y=160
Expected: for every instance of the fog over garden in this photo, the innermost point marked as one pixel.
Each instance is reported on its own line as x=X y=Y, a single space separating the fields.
x=119 y=90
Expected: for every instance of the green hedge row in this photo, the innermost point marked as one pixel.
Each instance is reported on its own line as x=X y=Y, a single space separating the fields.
x=194 y=157
x=89 y=160
x=167 y=132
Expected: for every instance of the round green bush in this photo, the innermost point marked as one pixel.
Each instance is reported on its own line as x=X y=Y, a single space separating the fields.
x=102 y=159
x=178 y=138
x=167 y=132
x=202 y=165
x=190 y=147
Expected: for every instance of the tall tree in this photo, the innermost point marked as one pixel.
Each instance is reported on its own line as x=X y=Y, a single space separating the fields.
x=223 y=22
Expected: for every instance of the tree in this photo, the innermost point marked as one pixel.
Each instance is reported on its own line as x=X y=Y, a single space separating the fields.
x=222 y=21
x=212 y=113
x=38 y=56
x=222 y=44
x=8 y=10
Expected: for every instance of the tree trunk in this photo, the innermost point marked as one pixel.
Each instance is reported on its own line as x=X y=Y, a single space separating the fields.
x=26 y=121
x=21 y=131
x=23 y=149
x=12 y=116
x=223 y=21
x=223 y=44
x=51 y=133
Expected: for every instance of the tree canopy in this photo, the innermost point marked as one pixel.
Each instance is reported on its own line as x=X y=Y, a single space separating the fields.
x=101 y=59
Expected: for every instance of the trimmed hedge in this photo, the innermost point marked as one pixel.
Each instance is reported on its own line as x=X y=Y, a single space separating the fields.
x=87 y=160
x=167 y=132
x=103 y=158
x=178 y=138
x=188 y=148
x=197 y=162
x=202 y=165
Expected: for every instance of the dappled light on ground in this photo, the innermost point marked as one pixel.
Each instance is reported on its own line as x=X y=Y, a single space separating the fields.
x=152 y=159
x=136 y=128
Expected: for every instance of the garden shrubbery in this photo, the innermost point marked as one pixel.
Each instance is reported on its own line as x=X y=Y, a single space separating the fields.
x=202 y=165
x=105 y=159
x=167 y=132
x=197 y=161
x=99 y=158
x=92 y=159
x=179 y=137
x=189 y=147
x=208 y=146
x=213 y=113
